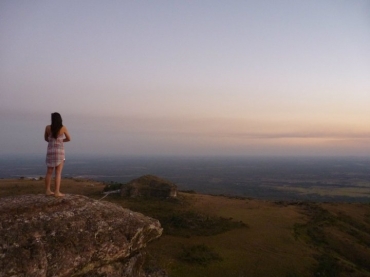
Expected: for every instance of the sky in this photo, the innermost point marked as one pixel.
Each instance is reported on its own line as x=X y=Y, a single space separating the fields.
x=205 y=77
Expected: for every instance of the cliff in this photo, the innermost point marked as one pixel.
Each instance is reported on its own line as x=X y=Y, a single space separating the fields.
x=72 y=236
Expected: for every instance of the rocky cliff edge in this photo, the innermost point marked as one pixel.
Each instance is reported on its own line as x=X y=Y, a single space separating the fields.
x=72 y=236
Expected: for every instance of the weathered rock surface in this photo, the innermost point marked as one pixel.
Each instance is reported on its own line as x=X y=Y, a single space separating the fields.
x=149 y=186
x=72 y=236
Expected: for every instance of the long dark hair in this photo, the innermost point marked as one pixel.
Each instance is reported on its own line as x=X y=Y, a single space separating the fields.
x=56 y=124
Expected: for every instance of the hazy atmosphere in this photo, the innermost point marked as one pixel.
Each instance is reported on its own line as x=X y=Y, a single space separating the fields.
x=187 y=77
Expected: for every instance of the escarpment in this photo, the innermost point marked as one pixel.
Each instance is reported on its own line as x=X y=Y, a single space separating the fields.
x=72 y=236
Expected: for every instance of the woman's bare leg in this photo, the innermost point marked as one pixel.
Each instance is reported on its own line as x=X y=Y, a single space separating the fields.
x=48 y=175
x=58 y=178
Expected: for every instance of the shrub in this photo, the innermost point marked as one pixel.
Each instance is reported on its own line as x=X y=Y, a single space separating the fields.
x=189 y=223
x=327 y=267
x=199 y=254
x=112 y=186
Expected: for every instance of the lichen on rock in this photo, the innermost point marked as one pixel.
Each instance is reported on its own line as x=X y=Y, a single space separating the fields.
x=72 y=236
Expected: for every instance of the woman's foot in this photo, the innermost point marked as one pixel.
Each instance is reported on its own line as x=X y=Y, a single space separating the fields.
x=59 y=194
x=49 y=192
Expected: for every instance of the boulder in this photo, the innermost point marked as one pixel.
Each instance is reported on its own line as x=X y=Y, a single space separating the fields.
x=149 y=186
x=72 y=236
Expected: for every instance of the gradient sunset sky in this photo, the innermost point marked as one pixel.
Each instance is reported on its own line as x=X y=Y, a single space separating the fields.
x=207 y=77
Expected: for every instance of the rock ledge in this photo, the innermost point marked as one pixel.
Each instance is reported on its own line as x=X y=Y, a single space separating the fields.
x=72 y=236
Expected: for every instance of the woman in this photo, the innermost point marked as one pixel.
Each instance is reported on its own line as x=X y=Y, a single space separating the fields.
x=55 y=135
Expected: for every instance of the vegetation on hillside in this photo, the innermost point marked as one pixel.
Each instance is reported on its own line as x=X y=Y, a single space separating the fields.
x=199 y=254
x=223 y=236
x=177 y=217
x=342 y=241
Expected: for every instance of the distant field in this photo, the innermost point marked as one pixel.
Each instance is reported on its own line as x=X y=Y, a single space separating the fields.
x=332 y=179
x=359 y=191
x=220 y=236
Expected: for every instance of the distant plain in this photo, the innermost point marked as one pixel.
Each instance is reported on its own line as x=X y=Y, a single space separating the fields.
x=330 y=179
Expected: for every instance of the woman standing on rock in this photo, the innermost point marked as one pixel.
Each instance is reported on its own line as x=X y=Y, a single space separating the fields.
x=55 y=135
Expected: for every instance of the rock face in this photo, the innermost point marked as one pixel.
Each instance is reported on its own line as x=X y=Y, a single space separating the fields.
x=149 y=186
x=72 y=236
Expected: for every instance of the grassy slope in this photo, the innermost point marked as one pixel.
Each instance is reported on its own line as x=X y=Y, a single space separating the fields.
x=281 y=239
x=266 y=248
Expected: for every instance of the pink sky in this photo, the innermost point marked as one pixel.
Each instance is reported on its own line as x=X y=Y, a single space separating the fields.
x=187 y=78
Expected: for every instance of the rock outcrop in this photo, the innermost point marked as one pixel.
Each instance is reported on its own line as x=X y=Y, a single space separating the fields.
x=72 y=236
x=149 y=186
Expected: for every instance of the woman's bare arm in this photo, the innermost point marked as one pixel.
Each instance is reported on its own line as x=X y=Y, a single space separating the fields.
x=47 y=132
x=66 y=134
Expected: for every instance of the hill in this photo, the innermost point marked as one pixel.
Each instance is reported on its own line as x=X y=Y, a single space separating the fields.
x=207 y=235
x=149 y=186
